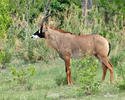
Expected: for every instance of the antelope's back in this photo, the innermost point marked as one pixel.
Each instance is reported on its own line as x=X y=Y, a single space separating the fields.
x=93 y=44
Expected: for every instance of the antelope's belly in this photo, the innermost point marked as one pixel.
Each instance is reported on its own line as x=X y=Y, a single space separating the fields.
x=81 y=54
x=77 y=54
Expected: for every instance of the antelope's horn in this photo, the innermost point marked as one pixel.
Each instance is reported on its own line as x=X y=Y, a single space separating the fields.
x=46 y=10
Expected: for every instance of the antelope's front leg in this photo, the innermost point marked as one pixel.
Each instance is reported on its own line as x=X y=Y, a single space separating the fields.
x=68 y=70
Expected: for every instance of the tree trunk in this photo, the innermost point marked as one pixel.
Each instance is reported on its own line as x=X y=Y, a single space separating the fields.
x=90 y=3
x=34 y=2
x=84 y=8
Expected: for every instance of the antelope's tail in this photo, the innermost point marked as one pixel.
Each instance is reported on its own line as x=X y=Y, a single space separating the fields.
x=109 y=48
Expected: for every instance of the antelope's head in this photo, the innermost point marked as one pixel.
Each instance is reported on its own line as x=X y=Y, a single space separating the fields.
x=41 y=32
x=38 y=34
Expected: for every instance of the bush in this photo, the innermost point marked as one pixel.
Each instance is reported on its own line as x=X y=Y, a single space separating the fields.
x=35 y=50
x=23 y=75
x=5 y=57
x=87 y=69
x=6 y=53
x=118 y=62
x=61 y=79
x=5 y=19
x=121 y=75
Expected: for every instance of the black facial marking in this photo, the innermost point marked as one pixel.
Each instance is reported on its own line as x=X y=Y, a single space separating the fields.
x=40 y=35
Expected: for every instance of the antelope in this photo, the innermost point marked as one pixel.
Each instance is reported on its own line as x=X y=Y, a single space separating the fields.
x=69 y=46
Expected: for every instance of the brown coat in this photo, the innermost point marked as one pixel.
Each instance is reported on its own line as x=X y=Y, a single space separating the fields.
x=73 y=46
x=76 y=46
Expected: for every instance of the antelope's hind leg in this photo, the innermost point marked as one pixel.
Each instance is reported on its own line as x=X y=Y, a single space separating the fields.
x=104 y=71
x=107 y=64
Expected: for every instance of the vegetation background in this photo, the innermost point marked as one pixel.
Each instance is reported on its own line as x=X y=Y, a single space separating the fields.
x=30 y=70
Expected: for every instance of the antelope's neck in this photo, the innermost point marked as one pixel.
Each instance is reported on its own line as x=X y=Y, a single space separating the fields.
x=58 y=40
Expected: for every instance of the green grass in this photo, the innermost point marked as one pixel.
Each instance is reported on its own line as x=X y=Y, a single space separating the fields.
x=49 y=83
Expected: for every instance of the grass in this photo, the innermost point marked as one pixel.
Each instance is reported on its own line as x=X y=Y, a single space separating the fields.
x=49 y=83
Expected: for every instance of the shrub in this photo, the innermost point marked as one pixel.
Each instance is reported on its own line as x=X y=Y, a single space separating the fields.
x=23 y=75
x=61 y=79
x=6 y=53
x=5 y=57
x=5 y=18
x=35 y=50
x=121 y=75
x=87 y=69
x=118 y=62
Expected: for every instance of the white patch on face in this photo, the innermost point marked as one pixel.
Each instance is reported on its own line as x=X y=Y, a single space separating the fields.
x=34 y=37
x=39 y=30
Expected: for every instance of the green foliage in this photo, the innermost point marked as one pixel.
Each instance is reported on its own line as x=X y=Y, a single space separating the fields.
x=56 y=5
x=61 y=79
x=108 y=88
x=5 y=18
x=2 y=54
x=61 y=5
x=121 y=75
x=5 y=57
x=43 y=85
x=29 y=9
x=34 y=51
x=71 y=20
x=87 y=69
x=6 y=53
x=23 y=75
x=112 y=10
x=121 y=71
